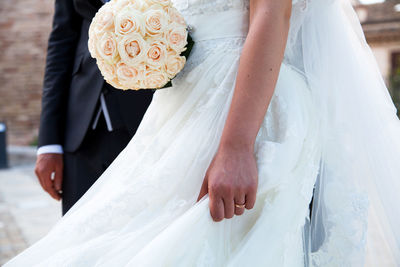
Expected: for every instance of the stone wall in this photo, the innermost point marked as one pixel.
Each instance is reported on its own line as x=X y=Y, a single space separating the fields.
x=24 y=30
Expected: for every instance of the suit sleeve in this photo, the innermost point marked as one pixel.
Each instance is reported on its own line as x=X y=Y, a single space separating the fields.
x=62 y=44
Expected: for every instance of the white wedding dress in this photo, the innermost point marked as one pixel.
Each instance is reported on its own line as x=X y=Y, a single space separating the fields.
x=143 y=211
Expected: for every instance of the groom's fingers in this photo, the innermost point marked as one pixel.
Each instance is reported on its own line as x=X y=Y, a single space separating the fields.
x=46 y=165
x=50 y=187
x=48 y=184
x=43 y=173
x=58 y=176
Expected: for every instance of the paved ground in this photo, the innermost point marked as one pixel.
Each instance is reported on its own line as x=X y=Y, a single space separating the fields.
x=26 y=212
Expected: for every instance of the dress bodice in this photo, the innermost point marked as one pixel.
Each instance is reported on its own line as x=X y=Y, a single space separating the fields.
x=195 y=8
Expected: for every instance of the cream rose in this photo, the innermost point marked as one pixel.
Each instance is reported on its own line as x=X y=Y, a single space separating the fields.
x=139 y=5
x=107 y=70
x=156 y=21
x=92 y=46
x=177 y=37
x=155 y=78
x=107 y=48
x=104 y=20
x=132 y=49
x=120 y=4
x=174 y=64
x=175 y=16
x=130 y=76
x=129 y=20
x=156 y=54
x=116 y=84
x=164 y=3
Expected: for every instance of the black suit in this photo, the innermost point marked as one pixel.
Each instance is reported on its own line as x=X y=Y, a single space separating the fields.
x=71 y=92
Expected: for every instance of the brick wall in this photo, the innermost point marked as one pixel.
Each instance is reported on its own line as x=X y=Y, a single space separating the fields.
x=24 y=30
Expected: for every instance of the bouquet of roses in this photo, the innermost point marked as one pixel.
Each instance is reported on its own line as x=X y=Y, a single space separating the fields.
x=139 y=44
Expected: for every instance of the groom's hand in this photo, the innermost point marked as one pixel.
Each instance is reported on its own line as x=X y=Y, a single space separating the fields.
x=49 y=170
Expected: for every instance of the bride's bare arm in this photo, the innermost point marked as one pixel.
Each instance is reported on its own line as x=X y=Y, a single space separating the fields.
x=232 y=176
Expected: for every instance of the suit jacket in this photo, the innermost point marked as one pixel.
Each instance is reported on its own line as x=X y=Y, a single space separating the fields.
x=73 y=83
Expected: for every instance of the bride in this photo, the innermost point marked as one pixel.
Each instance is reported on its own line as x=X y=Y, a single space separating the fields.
x=280 y=103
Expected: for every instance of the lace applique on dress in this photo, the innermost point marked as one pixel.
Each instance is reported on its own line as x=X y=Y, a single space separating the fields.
x=345 y=242
x=198 y=7
x=301 y=3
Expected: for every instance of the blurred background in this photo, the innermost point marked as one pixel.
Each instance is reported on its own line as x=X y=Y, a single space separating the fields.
x=26 y=212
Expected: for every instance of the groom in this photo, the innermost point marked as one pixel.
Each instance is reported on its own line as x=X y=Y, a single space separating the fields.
x=85 y=123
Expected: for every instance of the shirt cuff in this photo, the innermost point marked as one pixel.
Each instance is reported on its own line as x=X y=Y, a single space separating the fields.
x=54 y=149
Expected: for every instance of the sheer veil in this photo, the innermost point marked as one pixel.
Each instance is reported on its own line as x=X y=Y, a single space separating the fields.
x=360 y=163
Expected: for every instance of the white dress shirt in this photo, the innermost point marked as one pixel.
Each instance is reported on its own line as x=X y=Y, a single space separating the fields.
x=58 y=149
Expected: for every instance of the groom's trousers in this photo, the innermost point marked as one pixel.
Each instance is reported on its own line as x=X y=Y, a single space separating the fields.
x=83 y=167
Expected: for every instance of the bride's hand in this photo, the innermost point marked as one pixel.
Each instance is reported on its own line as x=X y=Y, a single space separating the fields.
x=231 y=179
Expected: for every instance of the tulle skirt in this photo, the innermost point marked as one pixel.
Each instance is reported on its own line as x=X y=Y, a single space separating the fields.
x=143 y=212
